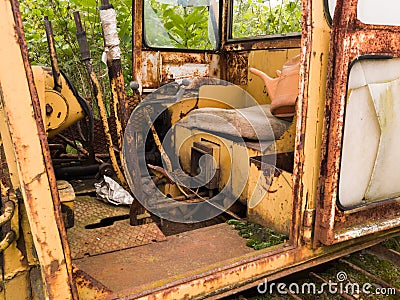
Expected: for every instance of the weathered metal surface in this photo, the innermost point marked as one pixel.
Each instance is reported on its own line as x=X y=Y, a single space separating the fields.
x=269 y=196
x=15 y=273
x=313 y=66
x=158 y=68
x=308 y=226
x=60 y=108
x=36 y=178
x=102 y=228
x=238 y=67
x=181 y=257
x=137 y=42
x=350 y=39
x=120 y=104
x=16 y=262
x=246 y=271
x=89 y=288
x=277 y=42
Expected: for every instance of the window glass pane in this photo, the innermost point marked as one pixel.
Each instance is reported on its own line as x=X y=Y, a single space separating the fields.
x=265 y=17
x=383 y=12
x=182 y=24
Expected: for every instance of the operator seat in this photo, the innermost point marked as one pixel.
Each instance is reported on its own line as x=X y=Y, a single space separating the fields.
x=262 y=122
x=250 y=123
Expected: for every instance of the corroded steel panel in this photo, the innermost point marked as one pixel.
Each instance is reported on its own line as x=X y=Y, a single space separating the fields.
x=89 y=288
x=351 y=39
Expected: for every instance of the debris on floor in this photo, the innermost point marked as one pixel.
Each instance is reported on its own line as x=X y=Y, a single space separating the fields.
x=110 y=191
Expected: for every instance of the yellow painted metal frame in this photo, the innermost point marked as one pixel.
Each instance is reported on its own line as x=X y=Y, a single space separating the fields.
x=310 y=113
x=23 y=135
x=65 y=109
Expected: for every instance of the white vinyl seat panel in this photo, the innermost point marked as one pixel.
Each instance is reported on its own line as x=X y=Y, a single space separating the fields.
x=370 y=164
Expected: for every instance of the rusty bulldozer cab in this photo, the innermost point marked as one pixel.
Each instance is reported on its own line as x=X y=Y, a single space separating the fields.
x=295 y=131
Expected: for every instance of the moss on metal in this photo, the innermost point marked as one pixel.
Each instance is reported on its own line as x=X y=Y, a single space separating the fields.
x=259 y=237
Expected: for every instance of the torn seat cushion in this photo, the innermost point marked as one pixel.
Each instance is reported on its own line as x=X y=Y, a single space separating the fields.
x=250 y=123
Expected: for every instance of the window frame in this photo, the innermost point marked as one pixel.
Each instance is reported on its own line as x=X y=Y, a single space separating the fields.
x=231 y=39
x=146 y=46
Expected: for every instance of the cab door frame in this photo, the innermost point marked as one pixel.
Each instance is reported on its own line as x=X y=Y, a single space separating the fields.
x=351 y=39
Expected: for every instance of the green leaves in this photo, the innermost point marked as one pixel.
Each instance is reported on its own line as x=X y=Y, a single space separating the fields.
x=258 y=17
x=166 y=26
x=60 y=13
x=177 y=26
x=84 y=3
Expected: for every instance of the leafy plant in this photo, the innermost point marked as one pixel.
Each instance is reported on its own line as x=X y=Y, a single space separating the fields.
x=177 y=26
x=165 y=25
x=270 y=17
x=60 y=13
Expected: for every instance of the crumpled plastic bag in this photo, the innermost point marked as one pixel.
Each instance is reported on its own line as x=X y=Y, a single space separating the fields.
x=110 y=191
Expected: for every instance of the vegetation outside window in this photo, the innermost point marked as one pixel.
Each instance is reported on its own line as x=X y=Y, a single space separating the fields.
x=182 y=24
x=252 y=18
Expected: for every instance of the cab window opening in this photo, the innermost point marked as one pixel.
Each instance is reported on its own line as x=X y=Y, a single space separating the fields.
x=253 y=18
x=182 y=24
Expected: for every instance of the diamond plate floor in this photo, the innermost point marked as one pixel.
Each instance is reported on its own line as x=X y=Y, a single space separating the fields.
x=111 y=234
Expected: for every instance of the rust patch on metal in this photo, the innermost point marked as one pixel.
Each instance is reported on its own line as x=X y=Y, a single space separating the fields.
x=238 y=67
x=157 y=68
x=118 y=88
x=301 y=118
x=90 y=288
x=137 y=41
x=54 y=266
x=278 y=42
x=183 y=58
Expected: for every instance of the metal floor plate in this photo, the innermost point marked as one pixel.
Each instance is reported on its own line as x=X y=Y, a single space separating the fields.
x=102 y=228
x=180 y=257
